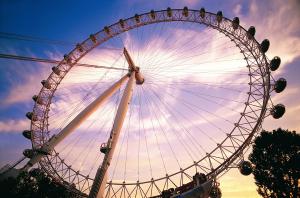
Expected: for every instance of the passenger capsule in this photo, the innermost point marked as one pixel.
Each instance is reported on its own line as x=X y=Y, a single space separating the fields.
x=27 y=134
x=79 y=47
x=139 y=77
x=31 y=116
x=152 y=14
x=185 y=11
x=264 y=46
x=169 y=12
x=68 y=59
x=235 y=23
x=251 y=32
x=56 y=70
x=104 y=148
x=280 y=85
x=274 y=64
x=93 y=38
x=122 y=24
x=219 y=16
x=46 y=84
x=137 y=18
x=38 y=100
x=245 y=168
x=277 y=111
x=106 y=30
x=34 y=98
x=28 y=153
x=202 y=12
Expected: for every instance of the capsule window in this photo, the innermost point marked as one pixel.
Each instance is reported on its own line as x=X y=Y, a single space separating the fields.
x=185 y=12
x=202 y=12
x=152 y=14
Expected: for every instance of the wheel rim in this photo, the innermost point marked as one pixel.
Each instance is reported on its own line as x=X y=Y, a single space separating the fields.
x=258 y=66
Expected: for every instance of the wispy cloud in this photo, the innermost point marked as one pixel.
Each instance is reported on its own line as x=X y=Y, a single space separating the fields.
x=14 y=126
x=23 y=91
x=279 y=22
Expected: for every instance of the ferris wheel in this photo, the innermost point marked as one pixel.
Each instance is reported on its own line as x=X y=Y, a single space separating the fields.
x=169 y=101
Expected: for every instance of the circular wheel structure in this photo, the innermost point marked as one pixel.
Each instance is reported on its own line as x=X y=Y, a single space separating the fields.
x=206 y=93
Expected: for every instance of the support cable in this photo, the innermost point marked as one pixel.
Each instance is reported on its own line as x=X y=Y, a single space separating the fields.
x=42 y=60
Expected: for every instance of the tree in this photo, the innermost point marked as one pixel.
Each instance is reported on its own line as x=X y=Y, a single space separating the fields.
x=276 y=160
x=35 y=184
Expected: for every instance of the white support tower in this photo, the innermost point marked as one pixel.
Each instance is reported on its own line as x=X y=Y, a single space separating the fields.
x=101 y=175
x=100 y=180
x=80 y=118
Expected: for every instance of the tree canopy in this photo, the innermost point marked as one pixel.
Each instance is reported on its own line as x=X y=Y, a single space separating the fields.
x=276 y=160
x=33 y=184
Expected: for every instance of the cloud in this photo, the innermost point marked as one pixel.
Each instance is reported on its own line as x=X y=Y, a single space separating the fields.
x=14 y=126
x=290 y=120
x=22 y=92
x=237 y=9
x=24 y=79
x=279 y=22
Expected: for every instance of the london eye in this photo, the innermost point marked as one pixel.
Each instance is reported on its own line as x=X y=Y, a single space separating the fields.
x=173 y=101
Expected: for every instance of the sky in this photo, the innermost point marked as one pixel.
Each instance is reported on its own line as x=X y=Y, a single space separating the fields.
x=72 y=22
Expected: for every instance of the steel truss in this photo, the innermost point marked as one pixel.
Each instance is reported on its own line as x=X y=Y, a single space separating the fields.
x=228 y=153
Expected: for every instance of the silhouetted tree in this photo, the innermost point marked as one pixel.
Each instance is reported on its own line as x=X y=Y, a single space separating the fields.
x=276 y=160
x=35 y=184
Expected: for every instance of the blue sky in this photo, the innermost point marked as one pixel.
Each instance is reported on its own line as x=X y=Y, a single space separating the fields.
x=73 y=22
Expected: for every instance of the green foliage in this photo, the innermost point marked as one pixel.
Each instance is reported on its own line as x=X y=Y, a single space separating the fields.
x=276 y=158
x=34 y=184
